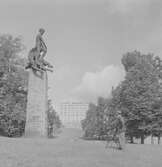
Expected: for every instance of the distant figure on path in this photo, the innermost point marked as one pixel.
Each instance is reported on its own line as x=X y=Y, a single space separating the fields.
x=120 y=130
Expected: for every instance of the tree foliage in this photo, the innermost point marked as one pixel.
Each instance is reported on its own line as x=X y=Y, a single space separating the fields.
x=13 y=87
x=54 y=122
x=94 y=124
x=139 y=98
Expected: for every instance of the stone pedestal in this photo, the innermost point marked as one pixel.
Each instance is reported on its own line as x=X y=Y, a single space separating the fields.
x=37 y=101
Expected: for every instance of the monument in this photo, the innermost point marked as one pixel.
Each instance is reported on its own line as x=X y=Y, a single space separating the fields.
x=37 y=100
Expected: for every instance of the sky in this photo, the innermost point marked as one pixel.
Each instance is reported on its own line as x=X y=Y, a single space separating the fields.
x=86 y=39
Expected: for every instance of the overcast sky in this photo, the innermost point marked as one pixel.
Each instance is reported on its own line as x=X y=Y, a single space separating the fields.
x=86 y=39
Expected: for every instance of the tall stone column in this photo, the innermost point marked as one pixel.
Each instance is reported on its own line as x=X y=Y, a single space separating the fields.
x=37 y=101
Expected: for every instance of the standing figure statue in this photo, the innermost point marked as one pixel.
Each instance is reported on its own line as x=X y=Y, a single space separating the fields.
x=40 y=47
x=37 y=54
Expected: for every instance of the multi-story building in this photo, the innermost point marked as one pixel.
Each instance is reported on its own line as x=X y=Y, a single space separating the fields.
x=71 y=113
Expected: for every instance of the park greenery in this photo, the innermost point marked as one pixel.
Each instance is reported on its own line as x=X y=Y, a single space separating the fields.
x=13 y=86
x=138 y=96
x=13 y=89
x=54 y=122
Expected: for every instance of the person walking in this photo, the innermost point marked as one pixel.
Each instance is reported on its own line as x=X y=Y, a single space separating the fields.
x=120 y=130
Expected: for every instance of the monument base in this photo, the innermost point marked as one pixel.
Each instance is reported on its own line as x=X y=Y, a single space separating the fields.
x=37 y=105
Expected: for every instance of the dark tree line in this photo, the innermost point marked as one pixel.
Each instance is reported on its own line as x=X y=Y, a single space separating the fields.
x=139 y=97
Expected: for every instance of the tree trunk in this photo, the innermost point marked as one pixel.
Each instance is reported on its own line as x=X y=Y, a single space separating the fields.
x=142 y=139
x=131 y=139
x=152 y=139
x=159 y=139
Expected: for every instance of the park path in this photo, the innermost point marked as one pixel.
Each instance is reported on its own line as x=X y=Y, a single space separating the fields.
x=70 y=134
x=68 y=149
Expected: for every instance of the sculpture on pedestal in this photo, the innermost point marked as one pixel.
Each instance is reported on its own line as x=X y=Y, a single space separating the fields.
x=37 y=54
x=37 y=99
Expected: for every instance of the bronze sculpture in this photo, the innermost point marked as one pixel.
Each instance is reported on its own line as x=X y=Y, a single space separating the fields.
x=36 y=55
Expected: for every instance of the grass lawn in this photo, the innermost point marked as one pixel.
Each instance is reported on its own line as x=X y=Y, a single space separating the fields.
x=69 y=150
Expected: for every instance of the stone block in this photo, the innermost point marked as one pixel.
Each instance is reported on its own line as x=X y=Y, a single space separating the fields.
x=37 y=103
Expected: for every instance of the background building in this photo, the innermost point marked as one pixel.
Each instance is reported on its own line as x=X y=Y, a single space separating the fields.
x=71 y=113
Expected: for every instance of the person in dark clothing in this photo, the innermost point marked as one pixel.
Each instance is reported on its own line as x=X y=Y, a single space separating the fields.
x=120 y=130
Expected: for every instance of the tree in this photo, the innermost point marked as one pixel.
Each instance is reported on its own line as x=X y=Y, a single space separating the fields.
x=100 y=113
x=139 y=97
x=139 y=93
x=88 y=124
x=13 y=87
x=94 y=124
x=54 y=122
